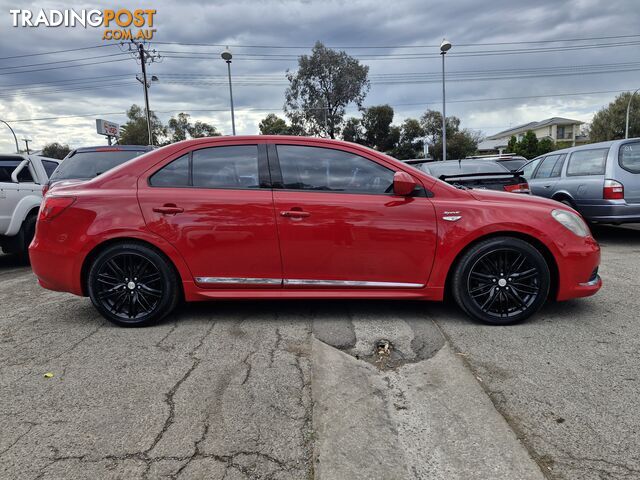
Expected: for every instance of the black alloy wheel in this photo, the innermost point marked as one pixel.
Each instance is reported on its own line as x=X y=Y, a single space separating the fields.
x=132 y=285
x=501 y=281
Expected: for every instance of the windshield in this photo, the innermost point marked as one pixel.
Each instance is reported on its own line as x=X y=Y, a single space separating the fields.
x=453 y=168
x=85 y=165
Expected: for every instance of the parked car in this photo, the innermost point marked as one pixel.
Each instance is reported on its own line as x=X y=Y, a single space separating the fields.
x=89 y=162
x=21 y=180
x=511 y=162
x=599 y=180
x=257 y=217
x=484 y=174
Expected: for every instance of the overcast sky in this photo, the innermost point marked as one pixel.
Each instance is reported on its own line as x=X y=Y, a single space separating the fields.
x=410 y=85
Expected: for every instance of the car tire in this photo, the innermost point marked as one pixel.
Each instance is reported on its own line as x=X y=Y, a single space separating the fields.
x=27 y=231
x=132 y=285
x=501 y=281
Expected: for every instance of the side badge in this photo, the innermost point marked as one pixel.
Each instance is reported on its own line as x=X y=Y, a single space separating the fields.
x=452 y=216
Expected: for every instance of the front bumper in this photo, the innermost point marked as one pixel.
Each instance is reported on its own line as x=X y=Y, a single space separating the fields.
x=578 y=270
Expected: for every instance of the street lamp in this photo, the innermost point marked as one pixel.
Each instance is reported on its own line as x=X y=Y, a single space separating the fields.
x=445 y=46
x=226 y=56
x=14 y=135
x=626 y=128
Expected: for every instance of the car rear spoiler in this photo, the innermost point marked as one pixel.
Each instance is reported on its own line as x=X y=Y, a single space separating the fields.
x=445 y=178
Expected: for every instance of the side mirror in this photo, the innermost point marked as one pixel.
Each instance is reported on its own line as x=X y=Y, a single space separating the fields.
x=403 y=184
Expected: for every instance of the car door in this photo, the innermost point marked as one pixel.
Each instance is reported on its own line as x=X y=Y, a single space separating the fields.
x=546 y=176
x=341 y=226
x=215 y=205
x=11 y=193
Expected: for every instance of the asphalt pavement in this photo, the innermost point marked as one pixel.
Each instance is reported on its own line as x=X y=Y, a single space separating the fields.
x=328 y=390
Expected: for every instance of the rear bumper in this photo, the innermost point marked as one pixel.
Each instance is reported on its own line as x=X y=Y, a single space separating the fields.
x=618 y=212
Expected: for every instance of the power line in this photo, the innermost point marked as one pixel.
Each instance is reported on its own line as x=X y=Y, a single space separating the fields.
x=57 y=51
x=63 y=61
x=67 y=66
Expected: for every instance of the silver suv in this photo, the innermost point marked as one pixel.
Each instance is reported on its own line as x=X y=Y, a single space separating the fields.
x=599 y=180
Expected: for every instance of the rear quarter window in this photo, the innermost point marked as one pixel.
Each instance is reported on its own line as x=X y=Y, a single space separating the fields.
x=629 y=157
x=587 y=162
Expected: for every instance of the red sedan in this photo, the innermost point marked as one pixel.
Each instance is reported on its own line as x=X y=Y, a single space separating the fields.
x=290 y=217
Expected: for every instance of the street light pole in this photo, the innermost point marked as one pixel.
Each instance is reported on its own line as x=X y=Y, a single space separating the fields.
x=626 y=128
x=445 y=46
x=14 y=135
x=227 y=56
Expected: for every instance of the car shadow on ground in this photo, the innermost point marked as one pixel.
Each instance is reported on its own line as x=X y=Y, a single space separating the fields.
x=11 y=261
x=617 y=234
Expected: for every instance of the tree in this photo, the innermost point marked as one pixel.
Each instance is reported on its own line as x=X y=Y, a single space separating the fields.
x=318 y=93
x=609 y=122
x=181 y=128
x=411 y=142
x=530 y=147
x=134 y=132
x=274 y=125
x=460 y=143
x=376 y=122
x=352 y=131
x=55 y=150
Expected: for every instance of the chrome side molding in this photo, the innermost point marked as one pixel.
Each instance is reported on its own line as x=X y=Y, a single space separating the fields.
x=239 y=281
x=303 y=282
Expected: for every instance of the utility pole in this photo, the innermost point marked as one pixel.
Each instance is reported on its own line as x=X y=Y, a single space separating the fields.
x=138 y=50
x=26 y=142
x=626 y=127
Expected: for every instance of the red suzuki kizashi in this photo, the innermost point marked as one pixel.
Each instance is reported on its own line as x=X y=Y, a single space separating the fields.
x=263 y=217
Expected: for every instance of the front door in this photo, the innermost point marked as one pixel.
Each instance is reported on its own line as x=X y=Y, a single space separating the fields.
x=547 y=175
x=340 y=225
x=216 y=207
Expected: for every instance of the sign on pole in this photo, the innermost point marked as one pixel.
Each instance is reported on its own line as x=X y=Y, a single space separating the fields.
x=110 y=129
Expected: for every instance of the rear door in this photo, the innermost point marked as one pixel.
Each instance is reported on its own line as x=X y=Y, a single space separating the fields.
x=627 y=170
x=340 y=224
x=584 y=177
x=215 y=205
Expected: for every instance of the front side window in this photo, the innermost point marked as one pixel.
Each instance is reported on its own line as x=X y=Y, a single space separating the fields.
x=629 y=157
x=234 y=167
x=588 y=162
x=326 y=169
x=529 y=168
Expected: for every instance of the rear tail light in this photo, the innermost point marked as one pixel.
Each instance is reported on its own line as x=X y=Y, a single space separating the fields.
x=613 y=190
x=45 y=189
x=522 y=187
x=54 y=206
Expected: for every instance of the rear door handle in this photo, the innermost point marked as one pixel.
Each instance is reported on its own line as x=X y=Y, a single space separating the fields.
x=294 y=214
x=547 y=186
x=168 y=209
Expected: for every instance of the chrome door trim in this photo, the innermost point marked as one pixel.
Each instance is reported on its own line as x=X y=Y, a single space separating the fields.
x=350 y=283
x=239 y=281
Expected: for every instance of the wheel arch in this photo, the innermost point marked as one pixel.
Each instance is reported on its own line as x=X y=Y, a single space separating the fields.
x=562 y=195
x=540 y=246
x=93 y=253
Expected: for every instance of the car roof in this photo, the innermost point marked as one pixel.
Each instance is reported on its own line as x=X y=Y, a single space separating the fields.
x=590 y=146
x=467 y=161
x=114 y=148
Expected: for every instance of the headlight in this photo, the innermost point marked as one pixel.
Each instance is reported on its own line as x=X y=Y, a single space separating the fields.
x=571 y=221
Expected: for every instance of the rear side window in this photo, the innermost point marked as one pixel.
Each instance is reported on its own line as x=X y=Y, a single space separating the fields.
x=226 y=167
x=629 y=157
x=329 y=170
x=49 y=167
x=588 y=162
x=550 y=166
x=6 y=169
x=234 y=167
x=557 y=168
x=174 y=174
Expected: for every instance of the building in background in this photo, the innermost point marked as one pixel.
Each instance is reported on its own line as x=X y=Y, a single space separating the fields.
x=557 y=129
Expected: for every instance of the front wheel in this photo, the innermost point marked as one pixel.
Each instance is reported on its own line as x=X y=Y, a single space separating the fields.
x=501 y=281
x=132 y=285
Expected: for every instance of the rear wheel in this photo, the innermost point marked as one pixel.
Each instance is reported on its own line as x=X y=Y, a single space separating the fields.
x=501 y=281
x=132 y=285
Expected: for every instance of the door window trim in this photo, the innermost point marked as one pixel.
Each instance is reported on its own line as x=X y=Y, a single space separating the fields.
x=264 y=177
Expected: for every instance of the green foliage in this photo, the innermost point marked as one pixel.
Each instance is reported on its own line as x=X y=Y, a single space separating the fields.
x=134 y=132
x=274 y=125
x=410 y=143
x=460 y=143
x=376 y=122
x=352 y=131
x=530 y=147
x=609 y=122
x=55 y=150
x=318 y=93
x=180 y=128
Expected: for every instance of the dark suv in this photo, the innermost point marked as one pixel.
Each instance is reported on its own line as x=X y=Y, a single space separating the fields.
x=600 y=180
x=89 y=162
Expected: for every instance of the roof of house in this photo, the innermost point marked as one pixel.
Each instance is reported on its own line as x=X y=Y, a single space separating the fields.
x=534 y=125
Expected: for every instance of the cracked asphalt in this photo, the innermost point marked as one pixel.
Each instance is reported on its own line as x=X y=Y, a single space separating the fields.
x=224 y=390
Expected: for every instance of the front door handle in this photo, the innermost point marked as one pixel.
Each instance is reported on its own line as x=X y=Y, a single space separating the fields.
x=168 y=209
x=294 y=214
